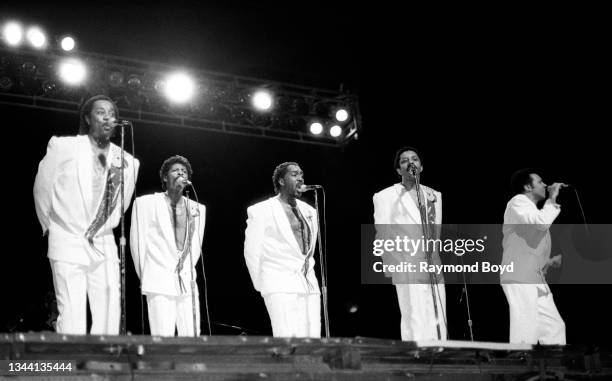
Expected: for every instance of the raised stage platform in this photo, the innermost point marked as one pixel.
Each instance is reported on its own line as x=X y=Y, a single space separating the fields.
x=264 y=358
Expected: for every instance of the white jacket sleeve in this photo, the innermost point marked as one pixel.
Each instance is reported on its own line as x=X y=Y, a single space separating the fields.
x=521 y=210
x=138 y=234
x=253 y=243
x=130 y=182
x=44 y=182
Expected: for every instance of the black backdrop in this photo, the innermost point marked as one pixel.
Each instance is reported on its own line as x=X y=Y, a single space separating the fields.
x=479 y=101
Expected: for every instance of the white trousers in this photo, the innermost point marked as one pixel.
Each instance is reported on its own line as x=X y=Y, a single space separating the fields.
x=418 y=316
x=533 y=315
x=74 y=284
x=169 y=312
x=294 y=315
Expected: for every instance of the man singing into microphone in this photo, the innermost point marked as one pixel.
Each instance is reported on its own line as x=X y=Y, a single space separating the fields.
x=533 y=314
x=166 y=241
x=279 y=244
x=77 y=199
x=400 y=211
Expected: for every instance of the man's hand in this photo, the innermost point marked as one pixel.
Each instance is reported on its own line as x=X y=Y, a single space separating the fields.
x=553 y=191
x=554 y=262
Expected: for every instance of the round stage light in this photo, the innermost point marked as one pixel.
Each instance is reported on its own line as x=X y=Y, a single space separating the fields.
x=342 y=115
x=12 y=33
x=67 y=44
x=5 y=83
x=335 y=131
x=72 y=71
x=316 y=128
x=36 y=37
x=179 y=87
x=262 y=100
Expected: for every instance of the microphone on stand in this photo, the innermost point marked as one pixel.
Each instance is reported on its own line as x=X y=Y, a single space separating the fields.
x=412 y=169
x=185 y=181
x=122 y=122
x=306 y=188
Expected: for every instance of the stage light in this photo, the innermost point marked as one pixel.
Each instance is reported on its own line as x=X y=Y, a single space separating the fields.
x=341 y=115
x=179 y=87
x=28 y=68
x=316 y=128
x=335 y=131
x=12 y=33
x=134 y=82
x=5 y=83
x=262 y=100
x=67 y=43
x=49 y=87
x=72 y=71
x=36 y=37
x=160 y=86
x=115 y=78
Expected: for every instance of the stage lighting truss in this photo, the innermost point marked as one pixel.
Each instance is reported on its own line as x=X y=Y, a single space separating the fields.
x=218 y=102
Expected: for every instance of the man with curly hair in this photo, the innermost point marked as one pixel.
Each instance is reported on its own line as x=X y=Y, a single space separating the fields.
x=77 y=199
x=166 y=242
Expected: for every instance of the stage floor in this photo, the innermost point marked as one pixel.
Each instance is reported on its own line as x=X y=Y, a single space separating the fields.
x=266 y=358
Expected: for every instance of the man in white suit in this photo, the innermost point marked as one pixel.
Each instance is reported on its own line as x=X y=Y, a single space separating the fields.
x=76 y=194
x=421 y=298
x=166 y=242
x=533 y=314
x=279 y=244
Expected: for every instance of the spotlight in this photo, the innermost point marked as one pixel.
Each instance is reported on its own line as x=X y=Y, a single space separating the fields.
x=160 y=86
x=335 y=131
x=134 y=82
x=12 y=33
x=36 y=37
x=342 y=115
x=5 y=83
x=115 y=78
x=67 y=43
x=316 y=128
x=28 y=67
x=49 y=87
x=179 y=87
x=262 y=100
x=72 y=71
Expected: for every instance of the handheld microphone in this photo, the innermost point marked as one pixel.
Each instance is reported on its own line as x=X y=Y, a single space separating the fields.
x=306 y=188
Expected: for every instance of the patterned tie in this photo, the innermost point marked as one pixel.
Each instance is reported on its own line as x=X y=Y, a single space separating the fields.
x=109 y=201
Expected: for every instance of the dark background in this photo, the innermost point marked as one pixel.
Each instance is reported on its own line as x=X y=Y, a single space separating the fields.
x=480 y=92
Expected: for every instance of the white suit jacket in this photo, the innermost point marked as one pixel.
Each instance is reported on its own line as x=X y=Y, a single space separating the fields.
x=63 y=199
x=272 y=253
x=526 y=239
x=153 y=245
x=394 y=206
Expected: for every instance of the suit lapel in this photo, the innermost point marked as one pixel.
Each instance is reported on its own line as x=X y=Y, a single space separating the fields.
x=312 y=224
x=165 y=219
x=283 y=224
x=84 y=169
x=409 y=204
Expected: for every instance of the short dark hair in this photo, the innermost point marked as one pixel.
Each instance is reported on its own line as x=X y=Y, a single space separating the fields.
x=279 y=172
x=400 y=151
x=520 y=178
x=169 y=162
x=85 y=110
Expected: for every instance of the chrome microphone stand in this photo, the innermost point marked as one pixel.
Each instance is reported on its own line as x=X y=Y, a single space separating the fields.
x=122 y=240
x=323 y=265
x=427 y=235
